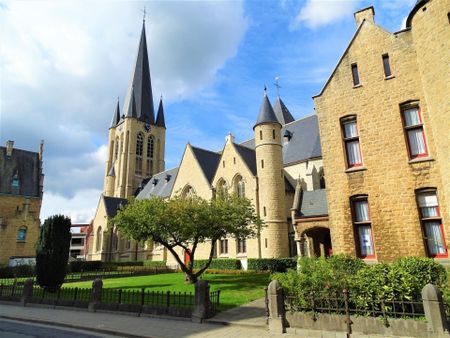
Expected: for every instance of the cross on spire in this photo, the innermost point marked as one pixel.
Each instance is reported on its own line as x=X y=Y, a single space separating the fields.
x=277 y=78
x=144 y=14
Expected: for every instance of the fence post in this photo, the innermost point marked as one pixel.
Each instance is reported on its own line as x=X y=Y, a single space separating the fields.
x=96 y=295
x=277 y=323
x=348 y=320
x=202 y=302
x=27 y=292
x=433 y=307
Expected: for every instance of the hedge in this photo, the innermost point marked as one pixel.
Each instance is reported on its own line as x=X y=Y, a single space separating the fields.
x=401 y=280
x=78 y=266
x=155 y=264
x=17 y=271
x=219 y=264
x=272 y=264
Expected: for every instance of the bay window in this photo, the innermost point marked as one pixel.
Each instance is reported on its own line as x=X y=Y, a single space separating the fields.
x=431 y=223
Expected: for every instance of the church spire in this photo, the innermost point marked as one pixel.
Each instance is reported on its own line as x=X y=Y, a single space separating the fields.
x=131 y=109
x=160 y=121
x=141 y=84
x=116 y=115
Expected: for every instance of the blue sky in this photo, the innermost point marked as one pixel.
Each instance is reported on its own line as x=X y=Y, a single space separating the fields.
x=63 y=64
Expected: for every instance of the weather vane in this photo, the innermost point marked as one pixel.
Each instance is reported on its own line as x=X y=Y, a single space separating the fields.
x=145 y=12
x=277 y=78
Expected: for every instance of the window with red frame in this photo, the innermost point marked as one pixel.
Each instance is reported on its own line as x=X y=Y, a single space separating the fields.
x=351 y=141
x=432 y=223
x=415 y=136
x=363 y=227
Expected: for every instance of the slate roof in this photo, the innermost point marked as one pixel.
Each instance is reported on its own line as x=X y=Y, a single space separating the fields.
x=208 y=161
x=249 y=157
x=112 y=204
x=282 y=112
x=116 y=116
x=159 y=185
x=23 y=165
x=419 y=3
x=266 y=113
x=160 y=121
x=304 y=143
x=313 y=203
x=141 y=85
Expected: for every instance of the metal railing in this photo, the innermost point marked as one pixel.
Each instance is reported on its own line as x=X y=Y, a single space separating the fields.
x=214 y=298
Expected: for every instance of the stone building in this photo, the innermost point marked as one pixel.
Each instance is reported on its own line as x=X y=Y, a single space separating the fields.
x=383 y=141
x=21 y=183
x=384 y=117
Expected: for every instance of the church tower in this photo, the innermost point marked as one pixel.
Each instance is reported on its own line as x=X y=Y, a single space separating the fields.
x=136 y=140
x=269 y=158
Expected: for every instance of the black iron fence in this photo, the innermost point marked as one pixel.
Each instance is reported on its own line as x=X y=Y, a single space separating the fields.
x=214 y=298
x=344 y=304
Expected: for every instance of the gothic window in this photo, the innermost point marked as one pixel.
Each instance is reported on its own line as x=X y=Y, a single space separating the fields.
x=239 y=186
x=116 y=150
x=188 y=191
x=150 y=147
x=139 y=153
x=15 y=184
x=115 y=240
x=99 y=241
x=22 y=234
x=222 y=188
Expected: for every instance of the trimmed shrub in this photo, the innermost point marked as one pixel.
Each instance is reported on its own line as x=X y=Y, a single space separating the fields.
x=272 y=264
x=155 y=264
x=219 y=264
x=17 y=271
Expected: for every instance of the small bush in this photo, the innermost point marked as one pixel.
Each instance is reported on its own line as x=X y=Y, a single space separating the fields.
x=219 y=264
x=17 y=271
x=272 y=264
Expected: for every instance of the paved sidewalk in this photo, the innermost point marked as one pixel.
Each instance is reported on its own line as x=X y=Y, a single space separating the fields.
x=252 y=314
x=123 y=325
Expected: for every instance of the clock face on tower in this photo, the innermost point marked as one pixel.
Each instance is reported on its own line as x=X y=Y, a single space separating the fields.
x=147 y=127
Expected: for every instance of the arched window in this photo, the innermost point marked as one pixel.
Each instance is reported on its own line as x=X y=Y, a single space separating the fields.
x=239 y=186
x=222 y=188
x=22 y=234
x=98 y=243
x=115 y=240
x=150 y=146
x=187 y=191
x=139 y=153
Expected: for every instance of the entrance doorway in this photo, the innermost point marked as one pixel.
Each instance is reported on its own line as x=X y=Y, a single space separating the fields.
x=317 y=242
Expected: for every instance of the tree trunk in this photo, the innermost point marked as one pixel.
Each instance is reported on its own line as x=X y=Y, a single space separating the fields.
x=190 y=278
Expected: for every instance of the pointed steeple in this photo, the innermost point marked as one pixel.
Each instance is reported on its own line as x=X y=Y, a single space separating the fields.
x=141 y=82
x=116 y=115
x=266 y=113
x=131 y=109
x=160 y=121
x=282 y=113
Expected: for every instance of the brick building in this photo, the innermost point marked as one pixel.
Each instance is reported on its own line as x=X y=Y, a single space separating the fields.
x=21 y=182
x=384 y=117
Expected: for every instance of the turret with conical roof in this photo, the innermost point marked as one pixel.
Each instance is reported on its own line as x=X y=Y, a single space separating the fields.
x=116 y=115
x=160 y=121
x=282 y=113
x=269 y=157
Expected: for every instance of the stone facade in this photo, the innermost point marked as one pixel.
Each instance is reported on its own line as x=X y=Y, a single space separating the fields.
x=20 y=203
x=388 y=177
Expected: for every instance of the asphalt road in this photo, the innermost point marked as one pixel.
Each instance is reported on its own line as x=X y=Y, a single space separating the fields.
x=19 y=329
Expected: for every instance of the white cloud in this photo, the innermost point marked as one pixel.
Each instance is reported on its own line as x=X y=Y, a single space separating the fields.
x=318 y=13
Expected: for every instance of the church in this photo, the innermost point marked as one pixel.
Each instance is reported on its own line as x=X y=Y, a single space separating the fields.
x=380 y=132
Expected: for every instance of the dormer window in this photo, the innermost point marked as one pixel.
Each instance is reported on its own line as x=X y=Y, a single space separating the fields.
x=287 y=136
x=168 y=177
x=155 y=181
x=15 y=182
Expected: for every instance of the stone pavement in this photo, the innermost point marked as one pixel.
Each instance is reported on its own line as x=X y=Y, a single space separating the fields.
x=124 y=325
x=252 y=314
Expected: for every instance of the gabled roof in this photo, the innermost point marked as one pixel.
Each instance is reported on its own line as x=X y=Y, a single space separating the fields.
x=112 y=204
x=313 y=203
x=248 y=156
x=141 y=84
x=266 y=113
x=159 y=185
x=282 y=113
x=304 y=143
x=24 y=167
x=208 y=161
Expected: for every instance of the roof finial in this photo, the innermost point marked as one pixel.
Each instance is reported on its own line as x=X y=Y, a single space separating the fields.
x=145 y=12
x=277 y=78
x=265 y=90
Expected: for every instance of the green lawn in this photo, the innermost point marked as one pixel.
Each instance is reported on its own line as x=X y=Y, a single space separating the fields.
x=235 y=290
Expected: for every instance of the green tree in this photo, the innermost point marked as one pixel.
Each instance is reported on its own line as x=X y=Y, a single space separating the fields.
x=186 y=222
x=52 y=252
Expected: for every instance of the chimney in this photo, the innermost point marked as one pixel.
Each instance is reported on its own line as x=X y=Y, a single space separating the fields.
x=9 y=148
x=367 y=14
x=41 y=149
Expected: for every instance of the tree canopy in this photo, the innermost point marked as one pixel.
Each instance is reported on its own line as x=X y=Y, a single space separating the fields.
x=186 y=222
